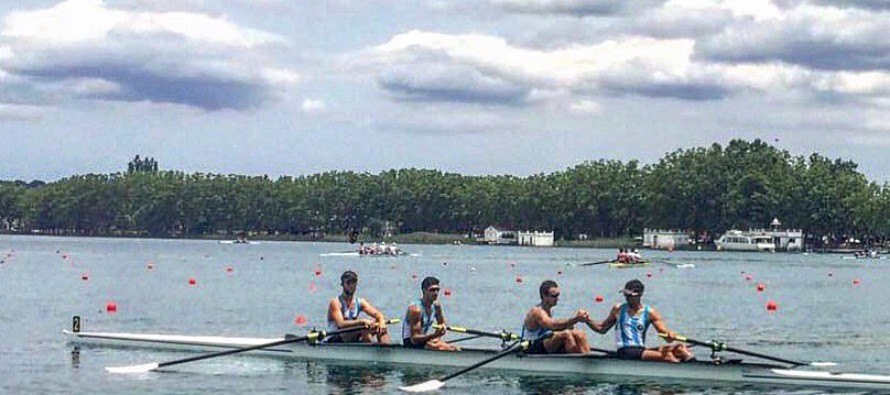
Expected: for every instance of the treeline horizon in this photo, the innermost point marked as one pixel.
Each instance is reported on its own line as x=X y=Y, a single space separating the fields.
x=704 y=190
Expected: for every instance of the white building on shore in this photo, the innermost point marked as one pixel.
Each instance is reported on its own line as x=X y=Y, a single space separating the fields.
x=664 y=239
x=536 y=239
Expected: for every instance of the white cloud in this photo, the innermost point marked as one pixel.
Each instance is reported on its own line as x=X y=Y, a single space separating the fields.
x=572 y=7
x=815 y=37
x=641 y=65
x=18 y=112
x=588 y=107
x=311 y=105
x=173 y=57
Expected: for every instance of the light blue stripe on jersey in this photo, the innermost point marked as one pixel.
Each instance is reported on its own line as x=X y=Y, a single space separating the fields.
x=631 y=331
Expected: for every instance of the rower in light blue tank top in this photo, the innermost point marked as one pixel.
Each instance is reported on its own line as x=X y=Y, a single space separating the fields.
x=529 y=334
x=426 y=320
x=631 y=330
x=348 y=314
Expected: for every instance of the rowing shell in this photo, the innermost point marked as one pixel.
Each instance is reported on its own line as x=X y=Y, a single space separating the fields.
x=596 y=366
x=356 y=254
x=620 y=265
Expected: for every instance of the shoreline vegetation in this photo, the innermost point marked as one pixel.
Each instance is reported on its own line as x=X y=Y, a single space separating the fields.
x=407 y=238
x=703 y=191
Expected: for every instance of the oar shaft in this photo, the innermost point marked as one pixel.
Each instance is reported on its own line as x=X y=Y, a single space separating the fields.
x=256 y=347
x=513 y=348
x=498 y=335
x=718 y=346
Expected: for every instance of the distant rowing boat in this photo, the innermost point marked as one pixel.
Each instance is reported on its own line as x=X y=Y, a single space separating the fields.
x=627 y=265
x=245 y=242
x=356 y=254
x=593 y=365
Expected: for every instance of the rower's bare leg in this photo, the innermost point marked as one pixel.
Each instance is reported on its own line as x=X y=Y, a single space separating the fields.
x=682 y=353
x=663 y=354
x=354 y=337
x=557 y=344
x=581 y=341
x=439 y=345
x=383 y=337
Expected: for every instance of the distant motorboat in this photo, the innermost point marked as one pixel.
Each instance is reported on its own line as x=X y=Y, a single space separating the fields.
x=737 y=240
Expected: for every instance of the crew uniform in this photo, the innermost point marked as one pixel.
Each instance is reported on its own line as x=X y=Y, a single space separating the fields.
x=630 y=335
x=426 y=322
x=536 y=337
x=348 y=314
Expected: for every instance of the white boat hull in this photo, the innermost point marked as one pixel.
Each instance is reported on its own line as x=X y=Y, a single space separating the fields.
x=594 y=365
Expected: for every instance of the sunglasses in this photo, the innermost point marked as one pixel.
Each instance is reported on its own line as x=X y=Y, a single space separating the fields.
x=433 y=289
x=554 y=296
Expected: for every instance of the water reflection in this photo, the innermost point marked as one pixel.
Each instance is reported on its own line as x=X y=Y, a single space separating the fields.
x=347 y=379
x=75 y=357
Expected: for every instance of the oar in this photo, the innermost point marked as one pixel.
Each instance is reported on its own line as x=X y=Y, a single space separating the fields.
x=677 y=265
x=312 y=336
x=595 y=263
x=721 y=346
x=433 y=385
x=463 y=339
x=503 y=335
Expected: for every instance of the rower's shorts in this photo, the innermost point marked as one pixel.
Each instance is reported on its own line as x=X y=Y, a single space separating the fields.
x=410 y=344
x=631 y=353
x=536 y=347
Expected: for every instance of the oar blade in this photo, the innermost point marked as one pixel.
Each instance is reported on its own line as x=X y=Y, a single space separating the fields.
x=822 y=364
x=143 y=368
x=426 y=386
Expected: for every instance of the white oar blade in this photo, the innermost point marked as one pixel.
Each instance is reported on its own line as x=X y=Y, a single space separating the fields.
x=822 y=364
x=146 y=367
x=427 y=386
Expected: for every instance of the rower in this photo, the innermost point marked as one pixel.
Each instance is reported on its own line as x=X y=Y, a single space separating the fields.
x=344 y=310
x=633 y=319
x=419 y=320
x=552 y=336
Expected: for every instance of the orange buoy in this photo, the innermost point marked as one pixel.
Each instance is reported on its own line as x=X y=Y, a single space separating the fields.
x=599 y=298
x=111 y=307
x=749 y=277
x=448 y=292
x=230 y=269
x=649 y=274
x=772 y=306
x=193 y=281
x=761 y=287
x=300 y=320
x=85 y=276
x=856 y=282
x=317 y=273
x=518 y=279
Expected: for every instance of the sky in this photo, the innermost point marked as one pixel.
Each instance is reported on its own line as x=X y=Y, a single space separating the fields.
x=477 y=87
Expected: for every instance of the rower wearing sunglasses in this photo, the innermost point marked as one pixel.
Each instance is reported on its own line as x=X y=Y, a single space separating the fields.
x=419 y=320
x=344 y=312
x=633 y=319
x=549 y=335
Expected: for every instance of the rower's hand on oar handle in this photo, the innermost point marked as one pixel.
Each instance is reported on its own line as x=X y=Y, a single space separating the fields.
x=670 y=336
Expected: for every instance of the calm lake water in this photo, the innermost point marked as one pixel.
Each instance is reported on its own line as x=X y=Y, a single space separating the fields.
x=829 y=309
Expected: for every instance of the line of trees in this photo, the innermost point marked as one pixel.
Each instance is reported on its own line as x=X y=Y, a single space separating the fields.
x=705 y=190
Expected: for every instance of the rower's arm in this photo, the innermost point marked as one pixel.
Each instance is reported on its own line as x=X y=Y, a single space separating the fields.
x=372 y=311
x=414 y=322
x=337 y=317
x=605 y=325
x=545 y=321
x=658 y=323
